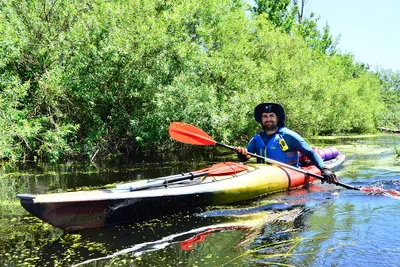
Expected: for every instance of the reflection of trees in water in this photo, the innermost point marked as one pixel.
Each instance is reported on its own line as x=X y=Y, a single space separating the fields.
x=215 y=250
x=279 y=237
x=281 y=240
x=214 y=241
x=22 y=240
x=147 y=242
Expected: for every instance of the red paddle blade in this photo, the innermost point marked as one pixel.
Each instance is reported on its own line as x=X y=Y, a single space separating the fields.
x=380 y=191
x=189 y=134
x=227 y=168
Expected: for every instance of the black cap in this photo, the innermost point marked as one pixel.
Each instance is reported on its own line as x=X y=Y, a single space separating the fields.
x=270 y=108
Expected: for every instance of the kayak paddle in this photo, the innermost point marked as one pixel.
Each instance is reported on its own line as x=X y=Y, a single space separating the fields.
x=225 y=168
x=190 y=134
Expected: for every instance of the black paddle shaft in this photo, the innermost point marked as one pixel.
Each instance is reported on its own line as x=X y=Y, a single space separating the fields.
x=165 y=182
x=289 y=167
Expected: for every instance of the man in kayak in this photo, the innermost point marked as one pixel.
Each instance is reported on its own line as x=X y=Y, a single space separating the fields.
x=279 y=143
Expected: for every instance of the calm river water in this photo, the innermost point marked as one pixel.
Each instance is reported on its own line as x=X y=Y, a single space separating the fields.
x=323 y=225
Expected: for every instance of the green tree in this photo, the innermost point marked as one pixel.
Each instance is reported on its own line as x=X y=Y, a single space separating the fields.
x=390 y=89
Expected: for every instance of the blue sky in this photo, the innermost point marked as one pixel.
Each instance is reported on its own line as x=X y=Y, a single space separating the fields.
x=368 y=29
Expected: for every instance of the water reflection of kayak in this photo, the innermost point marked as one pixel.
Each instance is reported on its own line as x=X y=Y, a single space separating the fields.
x=220 y=184
x=190 y=237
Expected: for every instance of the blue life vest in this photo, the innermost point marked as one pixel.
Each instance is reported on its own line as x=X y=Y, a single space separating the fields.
x=273 y=151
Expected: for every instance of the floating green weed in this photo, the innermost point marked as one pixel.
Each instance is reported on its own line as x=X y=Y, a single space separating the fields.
x=395 y=147
x=258 y=252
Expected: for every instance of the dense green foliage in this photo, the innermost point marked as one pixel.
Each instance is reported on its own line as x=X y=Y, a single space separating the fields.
x=110 y=76
x=391 y=97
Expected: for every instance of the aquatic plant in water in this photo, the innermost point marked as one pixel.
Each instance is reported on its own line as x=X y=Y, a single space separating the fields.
x=396 y=149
